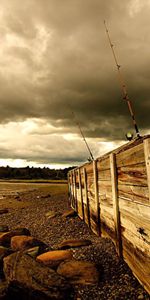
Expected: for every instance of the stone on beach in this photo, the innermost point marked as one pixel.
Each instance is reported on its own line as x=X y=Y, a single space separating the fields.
x=4 y=252
x=33 y=252
x=50 y=214
x=22 y=242
x=5 y=237
x=79 y=272
x=69 y=213
x=30 y=279
x=55 y=257
x=74 y=243
x=3 y=211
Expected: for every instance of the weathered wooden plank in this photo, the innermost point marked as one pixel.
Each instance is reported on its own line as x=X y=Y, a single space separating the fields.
x=105 y=191
x=139 y=238
x=147 y=161
x=72 y=191
x=77 y=177
x=86 y=197
x=105 y=187
x=95 y=173
x=133 y=193
x=139 y=210
x=138 y=261
x=104 y=175
x=132 y=175
x=109 y=222
x=81 y=195
x=89 y=168
x=69 y=188
x=75 y=192
x=115 y=203
x=131 y=156
x=103 y=164
x=105 y=201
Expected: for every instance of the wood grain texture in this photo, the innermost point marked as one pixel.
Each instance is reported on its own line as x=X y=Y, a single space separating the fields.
x=133 y=175
x=133 y=193
x=81 y=195
x=147 y=161
x=95 y=174
x=87 y=214
x=132 y=156
x=119 y=182
x=114 y=184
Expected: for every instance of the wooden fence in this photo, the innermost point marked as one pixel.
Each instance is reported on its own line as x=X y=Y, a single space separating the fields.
x=112 y=195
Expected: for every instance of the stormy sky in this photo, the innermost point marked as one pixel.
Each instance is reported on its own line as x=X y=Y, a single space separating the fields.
x=54 y=59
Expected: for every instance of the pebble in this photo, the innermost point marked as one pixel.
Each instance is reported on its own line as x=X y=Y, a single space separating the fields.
x=117 y=279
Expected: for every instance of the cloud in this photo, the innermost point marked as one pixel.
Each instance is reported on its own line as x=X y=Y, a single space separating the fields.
x=55 y=58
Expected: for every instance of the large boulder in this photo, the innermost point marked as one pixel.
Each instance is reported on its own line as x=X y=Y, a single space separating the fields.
x=55 y=257
x=74 y=243
x=22 y=242
x=5 y=237
x=29 y=279
x=4 y=252
x=79 y=272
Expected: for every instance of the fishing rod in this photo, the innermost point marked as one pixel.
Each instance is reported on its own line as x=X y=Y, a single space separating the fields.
x=122 y=84
x=84 y=139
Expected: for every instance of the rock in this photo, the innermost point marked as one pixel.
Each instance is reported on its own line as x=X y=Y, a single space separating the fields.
x=55 y=257
x=4 y=228
x=29 y=279
x=50 y=214
x=33 y=252
x=74 y=243
x=79 y=272
x=5 y=237
x=3 y=290
x=17 y=198
x=69 y=213
x=4 y=252
x=3 y=211
x=141 y=296
x=46 y=196
x=21 y=231
x=22 y=242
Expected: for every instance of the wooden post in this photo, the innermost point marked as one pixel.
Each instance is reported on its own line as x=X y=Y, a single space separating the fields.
x=75 y=192
x=86 y=197
x=147 y=161
x=72 y=191
x=81 y=194
x=116 y=203
x=96 y=195
x=69 y=189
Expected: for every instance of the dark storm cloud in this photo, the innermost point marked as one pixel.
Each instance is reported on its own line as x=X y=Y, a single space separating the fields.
x=55 y=58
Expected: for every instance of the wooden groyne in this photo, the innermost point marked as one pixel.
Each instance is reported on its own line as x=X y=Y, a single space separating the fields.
x=112 y=195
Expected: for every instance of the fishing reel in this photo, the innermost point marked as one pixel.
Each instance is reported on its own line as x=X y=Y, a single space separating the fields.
x=129 y=136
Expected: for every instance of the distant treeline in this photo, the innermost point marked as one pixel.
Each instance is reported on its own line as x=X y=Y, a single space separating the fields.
x=33 y=173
